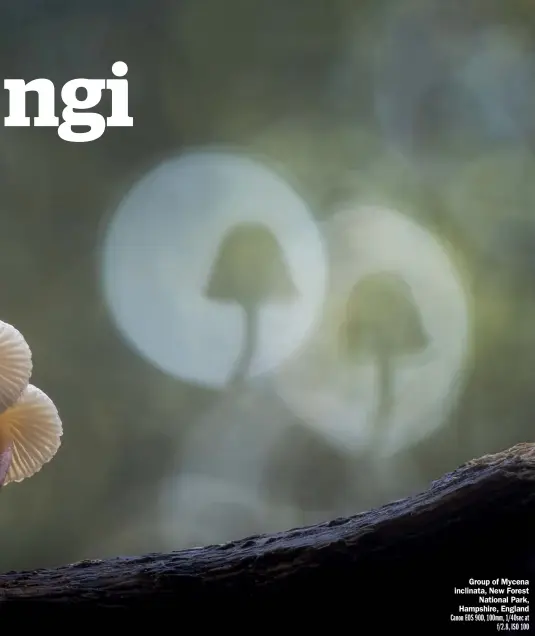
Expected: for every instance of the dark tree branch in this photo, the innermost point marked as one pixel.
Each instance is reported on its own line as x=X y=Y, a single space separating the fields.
x=478 y=521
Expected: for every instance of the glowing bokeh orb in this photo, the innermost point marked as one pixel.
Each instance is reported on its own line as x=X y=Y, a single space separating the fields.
x=468 y=89
x=157 y=256
x=339 y=398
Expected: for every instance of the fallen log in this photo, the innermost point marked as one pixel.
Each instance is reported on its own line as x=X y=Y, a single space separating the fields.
x=400 y=561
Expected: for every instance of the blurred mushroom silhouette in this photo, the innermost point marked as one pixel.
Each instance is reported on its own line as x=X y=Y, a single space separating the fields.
x=249 y=270
x=382 y=322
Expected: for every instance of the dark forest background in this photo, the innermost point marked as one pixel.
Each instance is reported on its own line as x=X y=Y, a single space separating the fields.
x=326 y=89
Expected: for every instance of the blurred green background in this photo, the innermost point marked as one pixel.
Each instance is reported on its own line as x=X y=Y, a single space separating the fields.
x=424 y=106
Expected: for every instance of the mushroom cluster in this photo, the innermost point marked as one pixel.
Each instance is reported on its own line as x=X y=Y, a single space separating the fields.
x=30 y=426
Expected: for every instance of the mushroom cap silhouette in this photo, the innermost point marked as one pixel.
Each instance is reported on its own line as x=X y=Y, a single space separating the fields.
x=382 y=315
x=250 y=268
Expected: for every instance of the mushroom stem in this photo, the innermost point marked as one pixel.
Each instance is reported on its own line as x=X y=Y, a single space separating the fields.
x=243 y=364
x=385 y=400
x=5 y=462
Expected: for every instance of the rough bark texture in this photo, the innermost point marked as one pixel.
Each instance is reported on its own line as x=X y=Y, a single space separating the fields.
x=400 y=561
